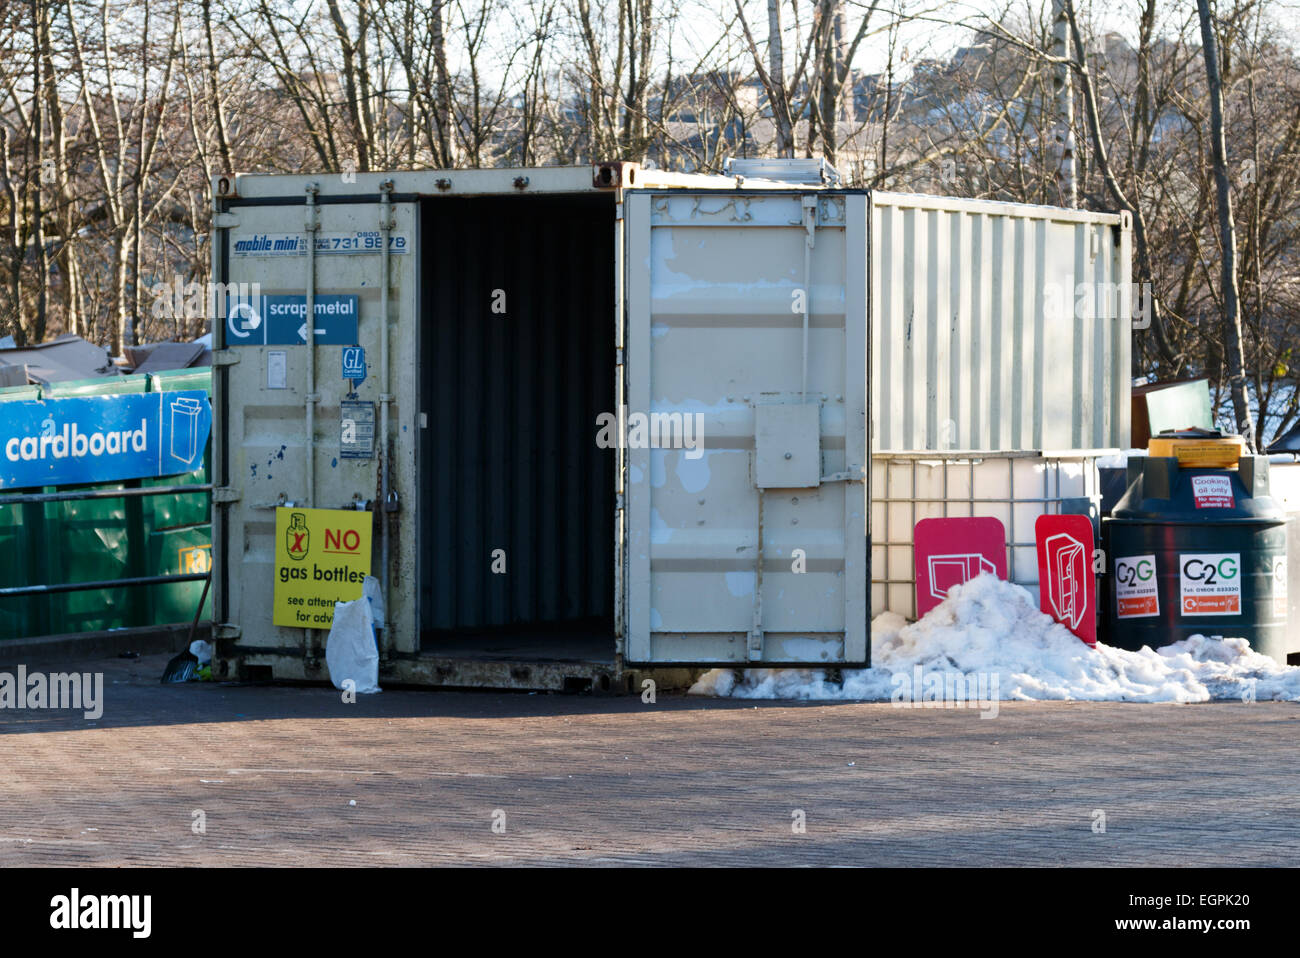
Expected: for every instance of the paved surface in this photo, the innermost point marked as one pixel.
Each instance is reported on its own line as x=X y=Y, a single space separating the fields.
x=613 y=781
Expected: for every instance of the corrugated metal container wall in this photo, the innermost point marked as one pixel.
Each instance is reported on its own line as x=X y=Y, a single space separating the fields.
x=980 y=337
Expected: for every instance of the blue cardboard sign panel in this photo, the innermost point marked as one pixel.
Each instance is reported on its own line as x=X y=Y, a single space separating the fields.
x=103 y=438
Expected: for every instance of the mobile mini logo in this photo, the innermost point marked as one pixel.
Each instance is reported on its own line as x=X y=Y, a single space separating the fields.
x=75 y=911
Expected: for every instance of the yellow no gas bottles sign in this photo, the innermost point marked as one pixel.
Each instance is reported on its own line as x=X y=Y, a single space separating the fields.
x=322 y=556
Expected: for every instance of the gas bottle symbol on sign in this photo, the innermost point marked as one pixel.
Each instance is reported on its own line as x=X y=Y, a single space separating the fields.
x=297 y=537
x=1066 y=584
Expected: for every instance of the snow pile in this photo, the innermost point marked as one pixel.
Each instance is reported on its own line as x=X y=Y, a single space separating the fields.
x=994 y=630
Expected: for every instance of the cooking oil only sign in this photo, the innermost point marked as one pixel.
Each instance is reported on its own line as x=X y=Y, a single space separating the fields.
x=1279 y=587
x=1136 y=595
x=1210 y=583
x=1212 y=492
x=322 y=556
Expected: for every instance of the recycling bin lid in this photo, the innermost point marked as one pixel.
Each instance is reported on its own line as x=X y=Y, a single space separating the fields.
x=1198 y=448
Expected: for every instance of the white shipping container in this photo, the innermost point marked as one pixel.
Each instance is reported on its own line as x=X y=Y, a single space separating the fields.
x=771 y=336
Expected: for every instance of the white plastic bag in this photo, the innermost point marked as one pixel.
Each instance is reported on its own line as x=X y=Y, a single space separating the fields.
x=350 y=650
x=370 y=591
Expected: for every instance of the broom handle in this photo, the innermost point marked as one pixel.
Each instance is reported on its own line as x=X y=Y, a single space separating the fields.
x=199 y=611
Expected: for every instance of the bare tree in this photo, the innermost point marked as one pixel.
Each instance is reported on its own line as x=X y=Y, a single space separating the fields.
x=116 y=115
x=613 y=73
x=1227 y=230
x=1063 y=84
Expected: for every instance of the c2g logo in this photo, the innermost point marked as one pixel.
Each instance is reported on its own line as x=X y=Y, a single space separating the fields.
x=1197 y=570
x=1129 y=572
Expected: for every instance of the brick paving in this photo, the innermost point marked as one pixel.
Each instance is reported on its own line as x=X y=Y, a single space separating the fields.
x=610 y=780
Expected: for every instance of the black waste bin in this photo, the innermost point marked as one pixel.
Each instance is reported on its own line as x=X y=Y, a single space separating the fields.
x=1196 y=550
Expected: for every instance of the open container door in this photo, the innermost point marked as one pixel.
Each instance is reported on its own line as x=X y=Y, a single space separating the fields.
x=746 y=427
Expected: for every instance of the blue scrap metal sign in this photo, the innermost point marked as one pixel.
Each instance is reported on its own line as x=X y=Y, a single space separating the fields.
x=103 y=438
x=282 y=320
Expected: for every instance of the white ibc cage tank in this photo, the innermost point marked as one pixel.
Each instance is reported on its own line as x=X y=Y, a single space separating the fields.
x=1284 y=482
x=1013 y=487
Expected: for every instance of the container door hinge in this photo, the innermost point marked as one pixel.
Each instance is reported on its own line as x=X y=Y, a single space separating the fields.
x=618 y=357
x=226 y=630
x=225 y=357
x=223 y=495
x=224 y=221
x=618 y=211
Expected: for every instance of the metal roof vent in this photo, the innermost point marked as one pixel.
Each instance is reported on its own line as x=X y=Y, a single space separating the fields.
x=804 y=172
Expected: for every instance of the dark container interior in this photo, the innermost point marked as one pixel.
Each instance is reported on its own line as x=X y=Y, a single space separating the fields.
x=516 y=359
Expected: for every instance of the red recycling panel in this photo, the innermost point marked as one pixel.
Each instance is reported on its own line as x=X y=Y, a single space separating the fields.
x=950 y=551
x=1067 y=587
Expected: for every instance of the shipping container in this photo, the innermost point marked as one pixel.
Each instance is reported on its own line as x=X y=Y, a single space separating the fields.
x=625 y=419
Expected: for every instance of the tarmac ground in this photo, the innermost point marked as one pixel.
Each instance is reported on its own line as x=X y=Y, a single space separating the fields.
x=217 y=774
